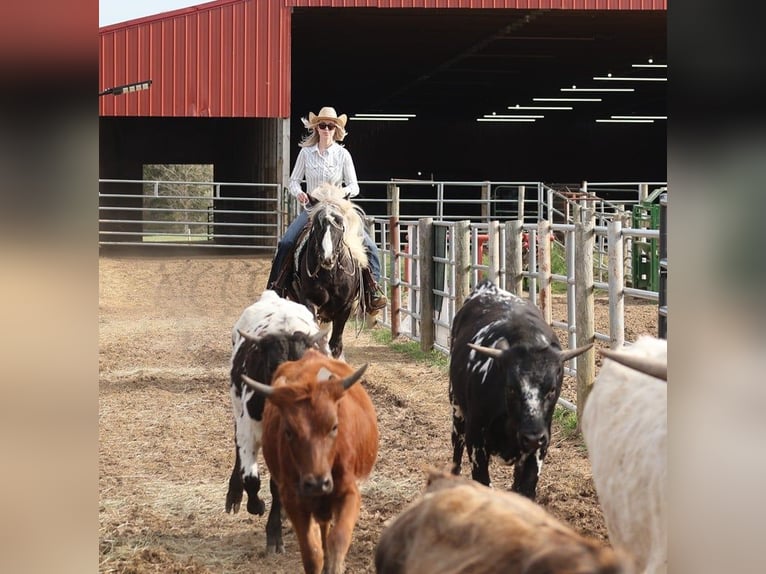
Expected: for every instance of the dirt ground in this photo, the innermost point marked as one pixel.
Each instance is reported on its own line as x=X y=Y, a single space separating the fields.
x=166 y=427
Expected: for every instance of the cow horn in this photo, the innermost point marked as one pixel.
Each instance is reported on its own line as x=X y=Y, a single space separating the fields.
x=572 y=353
x=247 y=336
x=651 y=367
x=494 y=352
x=351 y=379
x=260 y=388
x=321 y=334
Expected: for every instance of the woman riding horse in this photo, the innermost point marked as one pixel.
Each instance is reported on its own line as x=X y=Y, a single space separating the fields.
x=322 y=160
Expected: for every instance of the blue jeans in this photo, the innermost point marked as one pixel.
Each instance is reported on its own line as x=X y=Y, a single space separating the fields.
x=290 y=237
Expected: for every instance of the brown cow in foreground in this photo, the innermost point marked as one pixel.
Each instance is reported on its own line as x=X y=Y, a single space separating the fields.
x=460 y=525
x=320 y=435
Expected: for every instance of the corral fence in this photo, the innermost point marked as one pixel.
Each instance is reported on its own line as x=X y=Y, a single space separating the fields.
x=434 y=263
x=438 y=239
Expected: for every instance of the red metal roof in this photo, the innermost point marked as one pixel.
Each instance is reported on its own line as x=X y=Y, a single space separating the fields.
x=484 y=4
x=229 y=58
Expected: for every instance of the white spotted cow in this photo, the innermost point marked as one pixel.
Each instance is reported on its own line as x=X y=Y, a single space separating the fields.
x=625 y=427
x=269 y=332
x=506 y=371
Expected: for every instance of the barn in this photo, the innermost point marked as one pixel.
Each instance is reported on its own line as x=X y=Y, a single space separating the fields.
x=227 y=82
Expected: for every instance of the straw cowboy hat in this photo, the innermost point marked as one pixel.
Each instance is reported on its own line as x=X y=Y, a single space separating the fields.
x=328 y=114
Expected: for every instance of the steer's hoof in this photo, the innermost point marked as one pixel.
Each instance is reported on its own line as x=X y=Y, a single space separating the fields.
x=233 y=502
x=256 y=506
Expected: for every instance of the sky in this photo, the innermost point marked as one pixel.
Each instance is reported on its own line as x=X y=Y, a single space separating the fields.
x=114 y=11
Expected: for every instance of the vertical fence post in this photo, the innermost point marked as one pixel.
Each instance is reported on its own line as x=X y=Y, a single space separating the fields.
x=521 y=202
x=544 y=268
x=462 y=245
x=493 y=252
x=396 y=260
x=514 y=257
x=662 y=309
x=584 y=292
x=392 y=191
x=425 y=262
x=616 y=282
x=486 y=212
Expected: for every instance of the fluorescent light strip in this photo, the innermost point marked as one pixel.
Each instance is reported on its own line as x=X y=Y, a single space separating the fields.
x=508 y=116
x=385 y=115
x=566 y=99
x=639 y=117
x=377 y=119
x=632 y=121
x=505 y=120
x=650 y=65
x=539 y=107
x=629 y=79
x=597 y=90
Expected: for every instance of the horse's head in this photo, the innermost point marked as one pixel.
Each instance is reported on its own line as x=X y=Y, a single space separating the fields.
x=327 y=229
x=336 y=226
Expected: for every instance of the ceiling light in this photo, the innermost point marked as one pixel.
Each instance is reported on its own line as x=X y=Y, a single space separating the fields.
x=505 y=119
x=566 y=99
x=630 y=121
x=639 y=117
x=385 y=115
x=380 y=118
x=517 y=107
x=507 y=116
x=650 y=65
x=575 y=89
x=629 y=79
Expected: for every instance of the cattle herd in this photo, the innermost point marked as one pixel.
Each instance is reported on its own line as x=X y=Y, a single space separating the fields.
x=317 y=427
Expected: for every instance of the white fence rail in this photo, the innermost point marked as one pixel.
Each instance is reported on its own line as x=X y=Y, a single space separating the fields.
x=435 y=267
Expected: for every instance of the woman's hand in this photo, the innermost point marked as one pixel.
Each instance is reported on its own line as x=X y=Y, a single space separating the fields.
x=302 y=197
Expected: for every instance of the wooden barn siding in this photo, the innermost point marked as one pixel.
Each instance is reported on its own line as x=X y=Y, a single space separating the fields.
x=227 y=59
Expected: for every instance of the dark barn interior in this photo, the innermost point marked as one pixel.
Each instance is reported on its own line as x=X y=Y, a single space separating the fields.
x=453 y=66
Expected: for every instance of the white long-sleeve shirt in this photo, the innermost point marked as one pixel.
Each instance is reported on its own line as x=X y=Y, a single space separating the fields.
x=334 y=166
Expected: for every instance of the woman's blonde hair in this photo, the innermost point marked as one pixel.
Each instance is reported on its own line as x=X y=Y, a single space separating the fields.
x=312 y=137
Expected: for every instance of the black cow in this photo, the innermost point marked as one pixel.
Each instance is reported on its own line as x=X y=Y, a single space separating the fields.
x=506 y=371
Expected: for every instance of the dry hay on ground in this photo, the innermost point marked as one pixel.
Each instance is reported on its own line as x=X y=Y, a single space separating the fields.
x=166 y=428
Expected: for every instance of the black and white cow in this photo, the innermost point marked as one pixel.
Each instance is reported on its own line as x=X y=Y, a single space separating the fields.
x=506 y=371
x=269 y=332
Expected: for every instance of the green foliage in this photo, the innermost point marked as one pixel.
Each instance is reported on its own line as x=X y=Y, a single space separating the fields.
x=411 y=349
x=187 y=204
x=566 y=421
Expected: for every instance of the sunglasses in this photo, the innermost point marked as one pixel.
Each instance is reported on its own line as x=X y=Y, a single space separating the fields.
x=324 y=126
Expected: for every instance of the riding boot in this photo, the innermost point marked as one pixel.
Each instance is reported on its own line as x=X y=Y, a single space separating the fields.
x=284 y=275
x=375 y=299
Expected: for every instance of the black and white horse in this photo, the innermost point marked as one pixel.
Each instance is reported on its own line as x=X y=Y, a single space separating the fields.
x=329 y=261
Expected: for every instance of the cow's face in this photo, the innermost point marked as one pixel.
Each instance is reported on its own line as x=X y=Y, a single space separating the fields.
x=532 y=387
x=309 y=435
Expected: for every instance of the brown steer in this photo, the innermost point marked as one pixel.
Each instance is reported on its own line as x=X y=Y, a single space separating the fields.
x=461 y=526
x=320 y=435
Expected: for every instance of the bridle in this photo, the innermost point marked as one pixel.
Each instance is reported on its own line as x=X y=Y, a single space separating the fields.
x=339 y=248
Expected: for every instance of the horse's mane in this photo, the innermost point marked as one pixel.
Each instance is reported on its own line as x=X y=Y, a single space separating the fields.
x=331 y=197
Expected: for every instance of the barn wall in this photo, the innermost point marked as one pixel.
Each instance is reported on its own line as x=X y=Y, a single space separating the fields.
x=226 y=59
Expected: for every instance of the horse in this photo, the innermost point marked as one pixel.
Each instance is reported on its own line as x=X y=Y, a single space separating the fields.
x=329 y=260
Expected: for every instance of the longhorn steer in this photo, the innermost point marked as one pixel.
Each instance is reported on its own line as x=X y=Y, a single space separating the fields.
x=269 y=332
x=625 y=427
x=459 y=526
x=320 y=436
x=506 y=371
